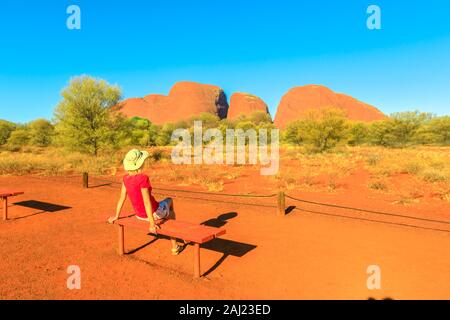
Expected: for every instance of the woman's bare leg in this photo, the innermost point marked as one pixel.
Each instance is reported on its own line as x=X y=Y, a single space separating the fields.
x=172 y=216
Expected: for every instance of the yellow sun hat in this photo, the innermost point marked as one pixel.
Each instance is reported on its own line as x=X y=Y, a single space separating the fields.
x=134 y=159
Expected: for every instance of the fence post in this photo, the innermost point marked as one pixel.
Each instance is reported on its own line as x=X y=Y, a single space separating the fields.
x=281 y=203
x=85 y=180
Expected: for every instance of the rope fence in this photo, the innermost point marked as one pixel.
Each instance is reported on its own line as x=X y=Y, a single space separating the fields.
x=175 y=193
x=86 y=184
x=365 y=210
x=280 y=205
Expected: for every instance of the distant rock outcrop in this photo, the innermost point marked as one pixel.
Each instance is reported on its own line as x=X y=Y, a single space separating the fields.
x=185 y=100
x=295 y=104
x=245 y=104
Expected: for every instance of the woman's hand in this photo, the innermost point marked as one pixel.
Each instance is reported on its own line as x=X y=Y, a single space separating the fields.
x=112 y=219
x=153 y=228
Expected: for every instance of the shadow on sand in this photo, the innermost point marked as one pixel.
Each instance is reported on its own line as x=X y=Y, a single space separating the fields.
x=43 y=207
x=226 y=247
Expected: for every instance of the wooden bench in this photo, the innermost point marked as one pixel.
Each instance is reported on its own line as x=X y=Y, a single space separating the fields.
x=189 y=232
x=4 y=195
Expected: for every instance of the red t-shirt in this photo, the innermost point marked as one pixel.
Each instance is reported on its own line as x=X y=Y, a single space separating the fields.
x=134 y=184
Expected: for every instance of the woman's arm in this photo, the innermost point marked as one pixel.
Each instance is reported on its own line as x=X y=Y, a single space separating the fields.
x=123 y=197
x=148 y=209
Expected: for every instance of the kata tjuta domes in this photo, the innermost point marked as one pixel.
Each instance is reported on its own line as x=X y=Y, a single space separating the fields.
x=299 y=100
x=185 y=100
x=245 y=104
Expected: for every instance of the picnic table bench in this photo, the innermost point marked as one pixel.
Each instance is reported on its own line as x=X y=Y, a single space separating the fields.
x=4 y=195
x=189 y=232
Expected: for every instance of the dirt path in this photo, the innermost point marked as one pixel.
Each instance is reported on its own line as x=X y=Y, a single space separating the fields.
x=312 y=253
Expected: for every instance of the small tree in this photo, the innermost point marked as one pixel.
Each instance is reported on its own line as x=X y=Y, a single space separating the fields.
x=6 y=128
x=435 y=131
x=19 y=138
x=381 y=133
x=357 y=133
x=84 y=119
x=165 y=135
x=41 y=132
x=143 y=132
x=405 y=126
x=320 y=130
x=291 y=134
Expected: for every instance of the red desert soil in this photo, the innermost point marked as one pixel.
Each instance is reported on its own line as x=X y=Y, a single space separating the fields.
x=312 y=253
x=245 y=104
x=185 y=99
x=299 y=100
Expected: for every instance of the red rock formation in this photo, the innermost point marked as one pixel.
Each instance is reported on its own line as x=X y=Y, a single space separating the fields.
x=185 y=100
x=299 y=100
x=245 y=104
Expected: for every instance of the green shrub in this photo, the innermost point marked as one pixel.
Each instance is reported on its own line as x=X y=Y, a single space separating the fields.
x=319 y=131
x=6 y=128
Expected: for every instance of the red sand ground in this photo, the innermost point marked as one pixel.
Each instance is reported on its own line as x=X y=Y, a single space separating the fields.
x=303 y=255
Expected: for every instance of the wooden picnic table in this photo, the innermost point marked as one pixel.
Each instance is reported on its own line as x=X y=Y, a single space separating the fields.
x=4 y=195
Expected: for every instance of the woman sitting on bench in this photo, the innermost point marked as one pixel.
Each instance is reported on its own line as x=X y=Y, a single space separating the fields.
x=136 y=185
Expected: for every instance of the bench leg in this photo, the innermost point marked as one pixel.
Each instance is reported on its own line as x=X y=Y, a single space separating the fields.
x=196 y=260
x=5 y=208
x=121 y=240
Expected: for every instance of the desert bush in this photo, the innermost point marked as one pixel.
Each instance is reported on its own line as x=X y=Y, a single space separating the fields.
x=388 y=162
x=373 y=159
x=381 y=133
x=400 y=130
x=164 y=137
x=6 y=128
x=319 y=131
x=143 y=133
x=208 y=120
x=358 y=133
x=433 y=175
x=19 y=138
x=41 y=132
x=435 y=131
x=160 y=153
x=405 y=126
x=257 y=118
x=55 y=161
x=377 y=185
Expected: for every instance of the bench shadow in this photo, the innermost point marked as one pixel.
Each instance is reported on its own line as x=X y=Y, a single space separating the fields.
x=226 y=247
x=143 y=246
x=43 y=207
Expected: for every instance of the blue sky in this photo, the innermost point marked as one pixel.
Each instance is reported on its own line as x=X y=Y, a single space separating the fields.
x=256 y=46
